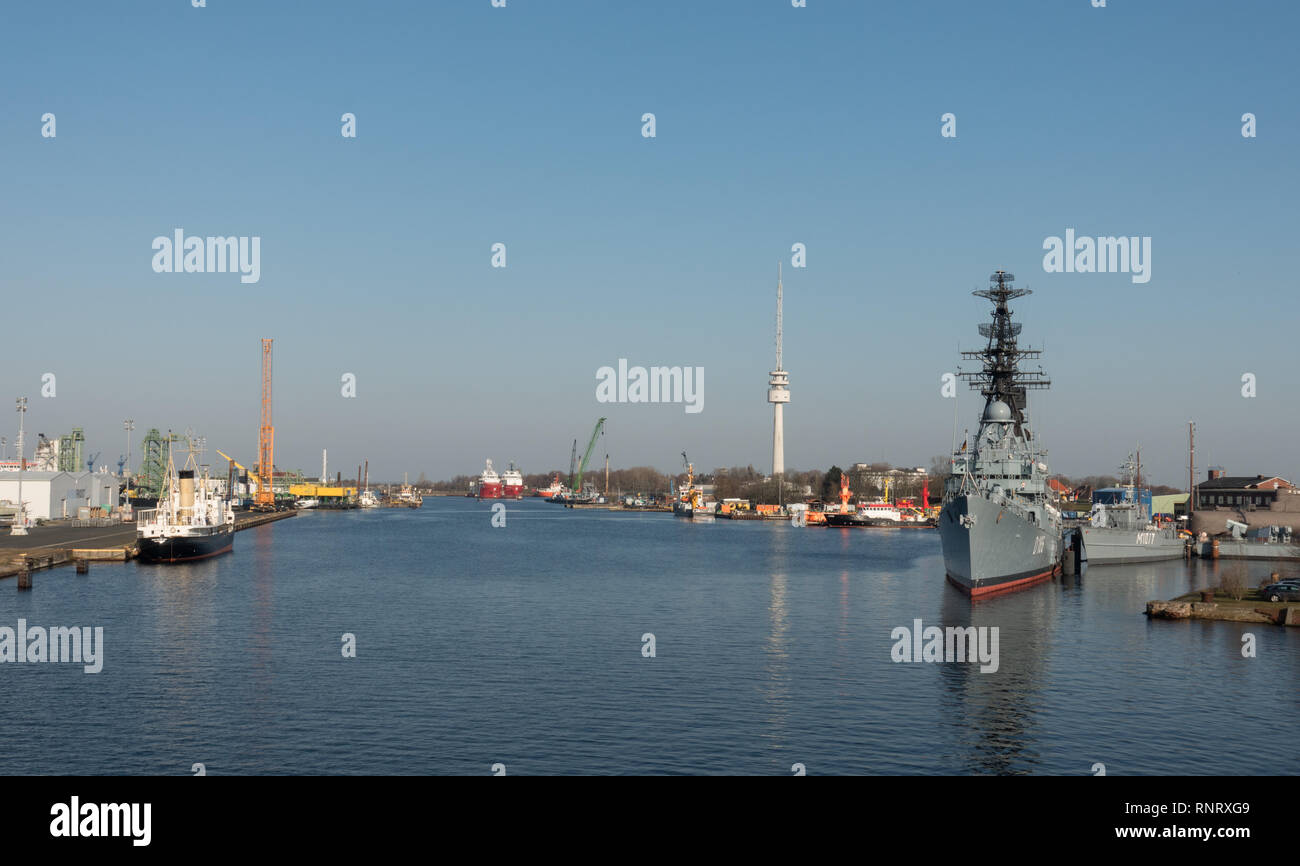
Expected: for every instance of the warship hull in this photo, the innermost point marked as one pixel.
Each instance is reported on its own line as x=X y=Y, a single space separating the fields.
x=1107 y=546
x=989 y=549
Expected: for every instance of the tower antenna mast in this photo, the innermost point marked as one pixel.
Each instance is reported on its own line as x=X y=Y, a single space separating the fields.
x=778 y=394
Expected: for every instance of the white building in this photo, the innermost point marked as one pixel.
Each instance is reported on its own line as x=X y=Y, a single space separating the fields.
x=59 y=494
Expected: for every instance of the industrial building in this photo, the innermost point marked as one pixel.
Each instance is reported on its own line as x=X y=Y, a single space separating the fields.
x=59 y=494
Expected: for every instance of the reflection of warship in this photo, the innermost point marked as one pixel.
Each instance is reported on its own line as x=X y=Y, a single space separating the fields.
x=1120 y=527
x=999 y=531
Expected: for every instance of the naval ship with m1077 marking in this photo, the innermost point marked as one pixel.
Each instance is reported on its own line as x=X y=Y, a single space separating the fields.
x=1121 y=529
x=998 y=527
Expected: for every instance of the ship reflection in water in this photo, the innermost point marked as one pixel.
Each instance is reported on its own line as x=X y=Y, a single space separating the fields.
x=993 y=717
x=522 y=645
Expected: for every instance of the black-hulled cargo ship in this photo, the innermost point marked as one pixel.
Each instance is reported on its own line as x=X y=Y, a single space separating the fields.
x=191 y=522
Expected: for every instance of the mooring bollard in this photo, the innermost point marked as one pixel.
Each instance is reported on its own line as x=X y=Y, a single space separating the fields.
x=83 y=566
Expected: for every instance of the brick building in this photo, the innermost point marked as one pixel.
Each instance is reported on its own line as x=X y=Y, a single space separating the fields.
x=1240 y=492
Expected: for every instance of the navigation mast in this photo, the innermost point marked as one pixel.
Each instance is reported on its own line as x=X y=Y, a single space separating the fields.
x=1000 y=377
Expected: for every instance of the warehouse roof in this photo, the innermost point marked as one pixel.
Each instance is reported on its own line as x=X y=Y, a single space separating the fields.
x=1241 y=482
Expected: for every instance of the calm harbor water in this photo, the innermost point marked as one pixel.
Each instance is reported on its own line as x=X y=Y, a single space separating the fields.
x=522 y=645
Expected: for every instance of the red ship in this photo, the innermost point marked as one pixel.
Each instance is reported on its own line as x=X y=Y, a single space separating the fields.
x=489 y=483
x=512 y=483
x=556 y=489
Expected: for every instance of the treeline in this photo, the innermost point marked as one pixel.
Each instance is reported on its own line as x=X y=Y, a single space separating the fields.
x=1097 y=482
x=864 y=484
x=736 y=482
x=745 y=482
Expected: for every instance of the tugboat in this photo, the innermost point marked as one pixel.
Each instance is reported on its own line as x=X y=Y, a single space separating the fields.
x=999 y=531
x=406 y=497
x=189 y=523
x=688 y=498
x=554 y=492
x=368 y=499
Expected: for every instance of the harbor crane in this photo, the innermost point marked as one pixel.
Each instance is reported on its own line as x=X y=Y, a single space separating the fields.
x=90 y=462
x=233 y=461
x=690 y=493
x=573 y=463
x=577 y=487
x=230 y=473
x=265 y=500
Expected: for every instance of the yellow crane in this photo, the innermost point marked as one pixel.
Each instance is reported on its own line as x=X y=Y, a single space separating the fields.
x=232 y=460
x=230 y=474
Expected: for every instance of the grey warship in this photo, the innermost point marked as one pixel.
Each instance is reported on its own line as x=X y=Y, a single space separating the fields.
x=998 y=528
x=1123 y=531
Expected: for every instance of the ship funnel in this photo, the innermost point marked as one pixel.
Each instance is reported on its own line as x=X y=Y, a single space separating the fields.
x=187 y=489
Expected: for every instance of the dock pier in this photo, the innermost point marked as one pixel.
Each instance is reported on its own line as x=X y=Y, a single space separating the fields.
x=116 y=545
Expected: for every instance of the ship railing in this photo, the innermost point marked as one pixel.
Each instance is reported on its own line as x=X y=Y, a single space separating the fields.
x=1003 y=499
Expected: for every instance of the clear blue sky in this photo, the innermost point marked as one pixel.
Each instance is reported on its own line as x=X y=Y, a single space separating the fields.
x=522 y=125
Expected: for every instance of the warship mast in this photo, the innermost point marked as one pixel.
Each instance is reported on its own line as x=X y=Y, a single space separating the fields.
x=1000 y=377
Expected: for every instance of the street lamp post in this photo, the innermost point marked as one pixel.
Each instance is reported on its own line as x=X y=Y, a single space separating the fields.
x=129 y=425
x=20 y=522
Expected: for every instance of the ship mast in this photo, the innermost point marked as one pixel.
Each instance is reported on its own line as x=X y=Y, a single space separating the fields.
x=1000 y=377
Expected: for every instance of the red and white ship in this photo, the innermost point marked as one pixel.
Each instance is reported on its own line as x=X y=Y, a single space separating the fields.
x=489 y=483
x=512 y=483
x=556 y=489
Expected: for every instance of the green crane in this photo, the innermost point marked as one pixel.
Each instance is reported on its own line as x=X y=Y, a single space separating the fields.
x=577 y=485
x=573 y=464
x=153 y=468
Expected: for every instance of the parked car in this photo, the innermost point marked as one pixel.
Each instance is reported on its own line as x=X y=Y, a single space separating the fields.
x=1285 y=590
